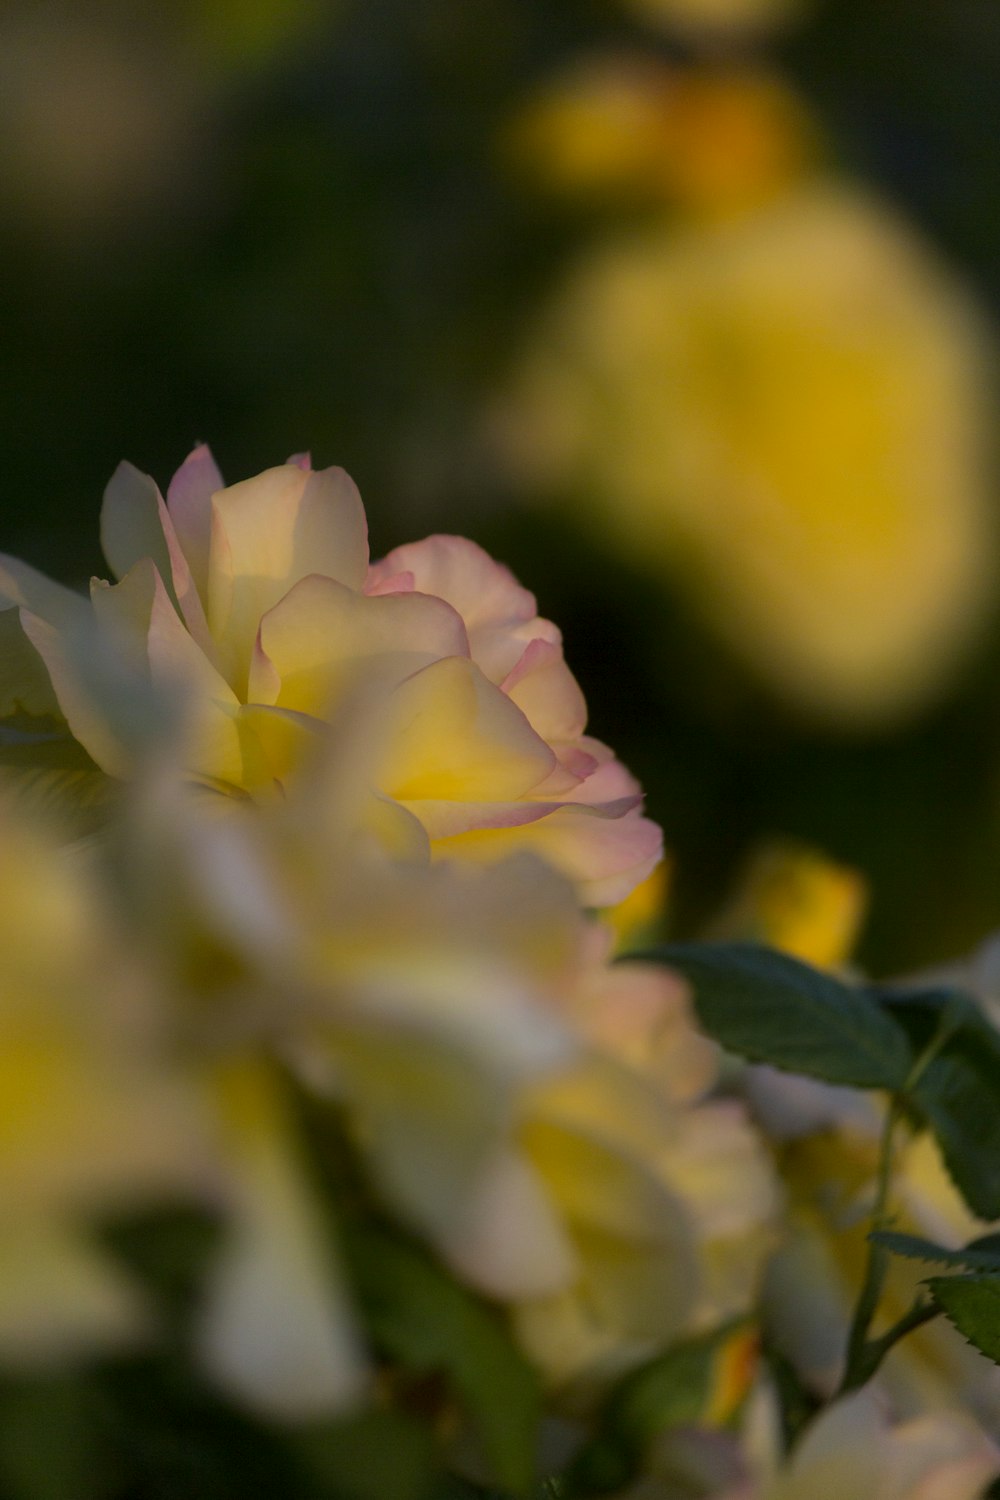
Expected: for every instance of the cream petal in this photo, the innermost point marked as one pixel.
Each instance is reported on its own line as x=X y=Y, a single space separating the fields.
x=264 y=680
x=211 y=744
x=941 y=1456
x=275 y=741
x=24 y=587
x=485 y=593
x=628 y=1301
x=457 y=737
x=494 y=606
x=130 y=522
x=578 y=841
x=602 y=1184
x=25 y=685
x=336 y=800
x=123 y=611
x=509 y=1242
x=275 y=1327
x=279 y=527
x=91 y=721
x=450 y=820
x=185 y=592
x=136 y=524
x=426 y=1120
x=319 y=635
x=189 y=501
x=547 y=693
x=642 y=1014
x=641 y=1294
x=722 y=1168
x=842 y=1453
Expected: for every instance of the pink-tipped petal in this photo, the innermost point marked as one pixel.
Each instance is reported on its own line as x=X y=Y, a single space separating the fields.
x=605 y=856
x=189 y=501
x=485 y=593
x=396 y=583
x=546 y=692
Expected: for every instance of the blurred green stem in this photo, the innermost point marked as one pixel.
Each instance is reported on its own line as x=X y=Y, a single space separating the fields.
x=864 y=1354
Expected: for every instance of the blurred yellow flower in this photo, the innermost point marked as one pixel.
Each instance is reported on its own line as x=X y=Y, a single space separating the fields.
x=92 y=1119
x=630 y=128
x=531 y=1114
x=639 y=918
x=769 y=389
x=827 y=1139
x=256 y=603
x=275 y=1327
x=792 y=897
x=788 y=411
x=670 y=1212
x=828 y=1161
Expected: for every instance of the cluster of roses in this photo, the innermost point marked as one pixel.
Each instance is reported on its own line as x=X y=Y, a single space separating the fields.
x=298 y=849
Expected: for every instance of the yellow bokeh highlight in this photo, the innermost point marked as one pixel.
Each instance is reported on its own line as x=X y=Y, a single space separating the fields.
x=794 y=898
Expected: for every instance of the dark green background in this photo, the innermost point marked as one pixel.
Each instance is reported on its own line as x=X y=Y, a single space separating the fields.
x=338 y=264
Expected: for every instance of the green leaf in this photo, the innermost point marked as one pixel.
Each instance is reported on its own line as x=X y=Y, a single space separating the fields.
x=972 y=1303
x=958 y=1094
x=422 y=1318
x=369 y=1457
x=979 y=1255
x=773 y=1009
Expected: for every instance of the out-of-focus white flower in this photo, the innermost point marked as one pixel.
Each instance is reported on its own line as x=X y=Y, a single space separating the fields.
x=852 y=1449
x=94 y=1119
x=531 y=1115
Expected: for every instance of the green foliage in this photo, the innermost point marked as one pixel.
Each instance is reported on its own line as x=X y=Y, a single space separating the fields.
x=981 y=1254
x=972 y=1303
x=770 y=1008
x=423 y=1320
x=957 y=1093
x=933 y=1050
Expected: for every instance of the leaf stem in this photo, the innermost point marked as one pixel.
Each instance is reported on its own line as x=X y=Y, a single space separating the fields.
x=864 y=1354
x=857 y=1372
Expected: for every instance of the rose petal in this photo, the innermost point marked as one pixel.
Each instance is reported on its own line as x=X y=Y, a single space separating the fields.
x=189 y=501
x=458 y=738
x=24 y=587
x=319 y=635
x=275 y=1327
x=280 y=527
x=547 y=693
